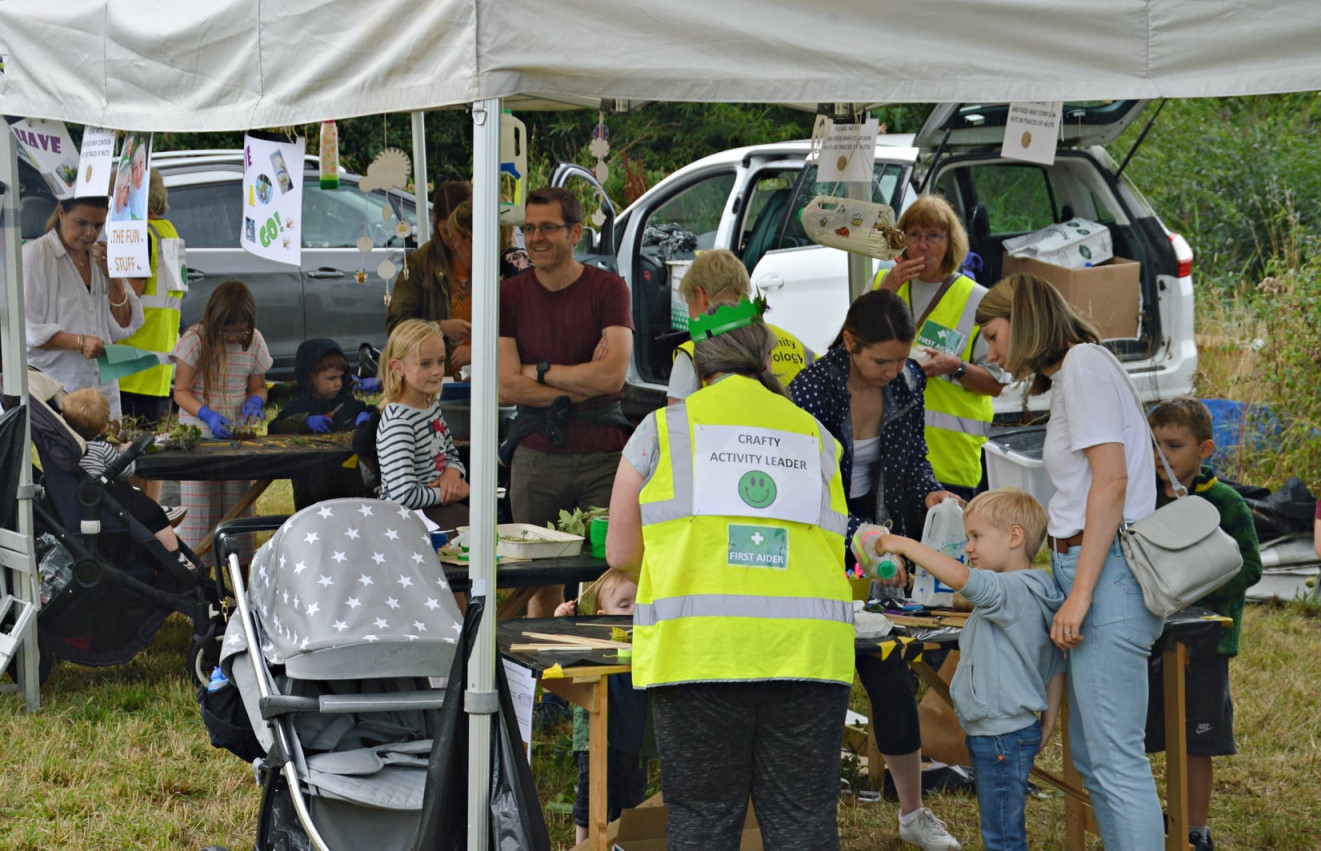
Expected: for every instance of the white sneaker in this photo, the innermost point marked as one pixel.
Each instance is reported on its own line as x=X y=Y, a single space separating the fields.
x=927 y=832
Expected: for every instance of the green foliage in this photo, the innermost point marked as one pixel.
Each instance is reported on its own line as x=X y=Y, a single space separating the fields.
x=1217 y=169
x=576 y=522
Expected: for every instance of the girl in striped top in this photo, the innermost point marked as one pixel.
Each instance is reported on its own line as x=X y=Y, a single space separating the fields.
x=420 y=467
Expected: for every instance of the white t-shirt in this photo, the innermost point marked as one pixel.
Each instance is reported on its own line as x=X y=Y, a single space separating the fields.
x=683 y=377
x=1092 y=404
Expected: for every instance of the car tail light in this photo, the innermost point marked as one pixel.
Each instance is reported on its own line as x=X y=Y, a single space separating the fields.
x=1183 y=252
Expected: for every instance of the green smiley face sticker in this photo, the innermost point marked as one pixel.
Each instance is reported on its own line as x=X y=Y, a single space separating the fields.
x=756 y=489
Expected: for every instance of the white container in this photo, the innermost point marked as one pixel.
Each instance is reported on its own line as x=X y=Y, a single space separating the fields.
x=1007 y=468
x=942 y=532
x=678 y=305
x=523 y=540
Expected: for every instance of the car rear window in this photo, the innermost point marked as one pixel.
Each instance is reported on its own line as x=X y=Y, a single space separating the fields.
x=207 y=215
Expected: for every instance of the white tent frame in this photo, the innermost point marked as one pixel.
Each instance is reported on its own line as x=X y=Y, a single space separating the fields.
x=157 y=65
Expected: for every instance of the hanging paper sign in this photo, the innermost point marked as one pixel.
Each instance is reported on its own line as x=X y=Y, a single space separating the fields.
x=94 y=164
x=273 y=199
x=50 y=149
x=126 y=225
x=1032 y=130
x=756 y=472
x=848 y=152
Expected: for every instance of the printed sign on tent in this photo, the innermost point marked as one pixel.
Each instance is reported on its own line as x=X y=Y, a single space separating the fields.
x=273 y=199
x=49 y=148
x=1032 y=131
x=95 y=161
x=848 y=152
x=126 y=225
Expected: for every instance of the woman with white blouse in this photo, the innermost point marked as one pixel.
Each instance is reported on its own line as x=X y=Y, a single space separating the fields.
x=72 y=306
x=1098 y=455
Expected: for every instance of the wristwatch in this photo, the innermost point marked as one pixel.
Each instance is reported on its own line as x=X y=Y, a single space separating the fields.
x=960 y=372
x=542 y=367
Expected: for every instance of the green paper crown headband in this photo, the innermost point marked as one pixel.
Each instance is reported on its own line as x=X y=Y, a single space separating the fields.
x=727 y=317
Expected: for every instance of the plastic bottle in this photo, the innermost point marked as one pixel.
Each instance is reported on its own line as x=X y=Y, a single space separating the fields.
x=329 y=155
x=876 y=565
x=218 y=680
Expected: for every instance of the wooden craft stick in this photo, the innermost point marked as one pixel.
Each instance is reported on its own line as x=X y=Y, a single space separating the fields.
x=581 y=641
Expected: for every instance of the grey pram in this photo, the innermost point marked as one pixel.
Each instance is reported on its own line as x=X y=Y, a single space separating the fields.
x=350 y=609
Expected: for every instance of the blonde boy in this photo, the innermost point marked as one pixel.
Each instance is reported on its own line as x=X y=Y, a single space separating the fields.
x=1009 y=670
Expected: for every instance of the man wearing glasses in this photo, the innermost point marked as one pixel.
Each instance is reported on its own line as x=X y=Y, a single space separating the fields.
x=566 y=339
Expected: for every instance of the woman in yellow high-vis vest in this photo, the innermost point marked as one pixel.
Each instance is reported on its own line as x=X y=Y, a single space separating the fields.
x=718 y=277
x=960 y=386
x=729 y=508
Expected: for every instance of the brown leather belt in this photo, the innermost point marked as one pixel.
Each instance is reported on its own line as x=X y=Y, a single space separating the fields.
x=1061 y=545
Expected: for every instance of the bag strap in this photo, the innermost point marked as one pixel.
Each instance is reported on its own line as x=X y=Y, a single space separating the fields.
x=1179 y=490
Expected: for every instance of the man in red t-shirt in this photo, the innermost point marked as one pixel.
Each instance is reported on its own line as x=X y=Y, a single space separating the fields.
x=566 y=339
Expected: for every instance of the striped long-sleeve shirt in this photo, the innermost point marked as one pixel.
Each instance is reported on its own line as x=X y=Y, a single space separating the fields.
x=413 y=447
x=99 y=456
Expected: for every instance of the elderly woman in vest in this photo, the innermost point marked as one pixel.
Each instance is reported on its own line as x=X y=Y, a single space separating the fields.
x=729 y=509
x=960 y=385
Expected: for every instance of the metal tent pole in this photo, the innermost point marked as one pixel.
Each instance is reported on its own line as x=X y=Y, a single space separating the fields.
x=480 y=700
x=420 y=193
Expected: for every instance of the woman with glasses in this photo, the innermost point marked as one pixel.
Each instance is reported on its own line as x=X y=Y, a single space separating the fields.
x=960 y=385
x=73 y=307
x=219 y=381
x=868 y=394
x=436 y=281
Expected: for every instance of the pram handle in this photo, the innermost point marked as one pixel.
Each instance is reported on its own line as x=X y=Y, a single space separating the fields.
x=117 y=467
x=226 y=532
x=351 y=704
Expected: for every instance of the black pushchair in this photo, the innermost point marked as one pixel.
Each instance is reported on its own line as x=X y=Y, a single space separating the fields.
x=108 y=584
x=344 y=615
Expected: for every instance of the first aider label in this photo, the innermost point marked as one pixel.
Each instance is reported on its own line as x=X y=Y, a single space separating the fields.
x=758 y=546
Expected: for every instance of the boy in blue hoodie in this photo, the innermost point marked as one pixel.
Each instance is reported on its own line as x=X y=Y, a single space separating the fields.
x=325 y=404
x=1009 y=670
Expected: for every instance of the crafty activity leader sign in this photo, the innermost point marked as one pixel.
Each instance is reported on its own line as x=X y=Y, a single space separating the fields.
x=755 y=472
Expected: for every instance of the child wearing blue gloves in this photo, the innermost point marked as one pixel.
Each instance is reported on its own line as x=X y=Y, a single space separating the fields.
x=325 y=404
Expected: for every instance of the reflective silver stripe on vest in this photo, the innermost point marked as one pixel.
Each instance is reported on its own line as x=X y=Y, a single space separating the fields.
x=963 y=425
x=742 y=606
x=970 y=311
x=681 y=474
x=161 y=301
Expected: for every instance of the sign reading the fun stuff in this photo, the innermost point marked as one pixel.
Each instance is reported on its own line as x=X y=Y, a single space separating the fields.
x=94 y=162
x=126 y=224
x=755 y=472
x=50 y=148
x=273 y=199
x=1032 y=130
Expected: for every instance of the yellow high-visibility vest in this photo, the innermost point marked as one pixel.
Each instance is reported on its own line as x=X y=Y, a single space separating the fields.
x=734 y=597
x=161 y=313
x=788 y=357
x=957 y=419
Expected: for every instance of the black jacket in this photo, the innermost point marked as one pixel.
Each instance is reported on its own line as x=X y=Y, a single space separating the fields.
x=292 y=418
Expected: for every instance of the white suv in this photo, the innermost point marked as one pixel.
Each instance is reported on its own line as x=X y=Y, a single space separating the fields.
x=749 y=199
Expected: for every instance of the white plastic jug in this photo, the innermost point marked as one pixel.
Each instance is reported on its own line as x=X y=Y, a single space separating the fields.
x=942 y=532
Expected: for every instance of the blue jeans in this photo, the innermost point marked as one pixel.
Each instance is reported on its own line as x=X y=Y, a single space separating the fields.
x=1108 y=703
x=1002 y=764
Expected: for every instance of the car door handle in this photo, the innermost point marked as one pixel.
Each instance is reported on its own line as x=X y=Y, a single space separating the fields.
x=323 y=272
x=195 y=274
x=770 y=283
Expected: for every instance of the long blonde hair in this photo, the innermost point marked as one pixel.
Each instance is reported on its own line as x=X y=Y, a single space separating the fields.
x=406 y=338
x=1043 y=325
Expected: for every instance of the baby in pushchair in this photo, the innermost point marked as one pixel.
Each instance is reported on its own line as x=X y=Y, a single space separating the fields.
x=122 y=582
x=350 y=616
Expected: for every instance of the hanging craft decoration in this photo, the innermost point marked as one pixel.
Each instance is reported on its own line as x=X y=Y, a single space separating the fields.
x=389 y=170
x=273 y=199
x=599 y=148
x=328 y=155
x=513 y=169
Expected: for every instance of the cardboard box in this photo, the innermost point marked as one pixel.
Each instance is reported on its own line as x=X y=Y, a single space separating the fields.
x=1106 y=293
x=643 y=829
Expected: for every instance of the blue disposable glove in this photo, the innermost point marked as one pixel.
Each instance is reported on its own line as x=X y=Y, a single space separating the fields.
x=362 y=418
x=366 y=385
x=319 y=423
x=219 y=425
x=254 y=410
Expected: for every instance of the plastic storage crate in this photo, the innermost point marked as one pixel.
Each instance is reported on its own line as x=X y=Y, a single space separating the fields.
x=1013 y=459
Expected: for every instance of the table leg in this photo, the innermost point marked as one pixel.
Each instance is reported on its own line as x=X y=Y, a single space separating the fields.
x=249 y=498
x=592 y=695
x=514 y=604
x=1174 y=665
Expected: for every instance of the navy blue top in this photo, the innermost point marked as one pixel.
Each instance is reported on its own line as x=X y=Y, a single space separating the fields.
x=822 y=390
